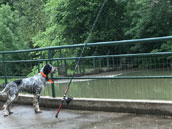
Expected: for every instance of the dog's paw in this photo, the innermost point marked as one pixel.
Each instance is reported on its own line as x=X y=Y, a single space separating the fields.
x=6 y=113
x=38 y=111
x=10 y=112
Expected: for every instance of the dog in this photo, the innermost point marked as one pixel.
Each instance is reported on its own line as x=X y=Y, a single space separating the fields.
x=34 y=85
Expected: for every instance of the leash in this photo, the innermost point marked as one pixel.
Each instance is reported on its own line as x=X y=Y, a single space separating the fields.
x=77 y=64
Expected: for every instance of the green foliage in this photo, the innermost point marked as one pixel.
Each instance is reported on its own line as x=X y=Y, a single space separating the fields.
x=20 y=21
x=58 y=22
x=166 y=46
x=10 y=31
x=41 y=23
x=71 y=21
x=32 y=18
x=148 y=18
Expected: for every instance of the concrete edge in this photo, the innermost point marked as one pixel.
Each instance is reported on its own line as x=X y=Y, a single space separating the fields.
x=154 y=107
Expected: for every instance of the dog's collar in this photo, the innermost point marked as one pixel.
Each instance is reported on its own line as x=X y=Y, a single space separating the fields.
x=46 y=77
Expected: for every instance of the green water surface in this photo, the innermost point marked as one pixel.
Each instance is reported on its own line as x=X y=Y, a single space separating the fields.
x=154 y=89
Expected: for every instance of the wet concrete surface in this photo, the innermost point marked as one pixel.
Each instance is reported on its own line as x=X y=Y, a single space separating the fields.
x=25 y=118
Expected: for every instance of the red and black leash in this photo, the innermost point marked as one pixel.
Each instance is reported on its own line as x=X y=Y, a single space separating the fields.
x=76 y=66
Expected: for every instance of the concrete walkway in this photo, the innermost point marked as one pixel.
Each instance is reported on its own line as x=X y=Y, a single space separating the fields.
x=25 y=118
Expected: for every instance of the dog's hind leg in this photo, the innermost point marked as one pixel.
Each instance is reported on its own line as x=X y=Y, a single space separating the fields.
x=9 y=107
x=6 y=106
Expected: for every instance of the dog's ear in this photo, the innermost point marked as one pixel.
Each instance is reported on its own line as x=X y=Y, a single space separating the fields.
x=47 y=69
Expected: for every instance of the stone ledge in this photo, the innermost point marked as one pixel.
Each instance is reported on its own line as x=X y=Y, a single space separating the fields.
x=154 y=107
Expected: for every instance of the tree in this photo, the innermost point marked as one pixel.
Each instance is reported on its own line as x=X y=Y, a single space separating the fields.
x=148 y=18
x=32 y=18
x=11 y=35
x=71 y=21
x=10 y=31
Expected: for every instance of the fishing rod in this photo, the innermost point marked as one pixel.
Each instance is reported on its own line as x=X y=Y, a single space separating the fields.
x=69 y=99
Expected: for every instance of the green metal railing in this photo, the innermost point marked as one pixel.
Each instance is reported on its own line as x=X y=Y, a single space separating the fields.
x=90 y=64
x=145 y=40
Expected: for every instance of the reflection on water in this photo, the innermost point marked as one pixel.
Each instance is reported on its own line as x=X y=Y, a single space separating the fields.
x=160 y=89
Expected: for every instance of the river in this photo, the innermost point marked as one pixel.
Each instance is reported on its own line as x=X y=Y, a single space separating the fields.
x=154 y=89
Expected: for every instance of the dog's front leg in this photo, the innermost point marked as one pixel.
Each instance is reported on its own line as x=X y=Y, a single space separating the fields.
x=5 y=111
x=9 y=109
x=36 y=103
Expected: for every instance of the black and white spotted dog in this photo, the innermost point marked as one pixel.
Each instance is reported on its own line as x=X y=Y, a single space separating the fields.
x=33 y=85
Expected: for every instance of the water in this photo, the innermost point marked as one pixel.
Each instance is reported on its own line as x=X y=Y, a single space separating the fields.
x=154 y=89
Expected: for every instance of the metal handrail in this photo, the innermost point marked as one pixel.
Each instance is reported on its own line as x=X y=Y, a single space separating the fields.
x=103 y=77
x=144 y=40
x=90 y=57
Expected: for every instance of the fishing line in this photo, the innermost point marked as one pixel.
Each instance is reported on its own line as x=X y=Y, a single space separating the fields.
x=77 y=64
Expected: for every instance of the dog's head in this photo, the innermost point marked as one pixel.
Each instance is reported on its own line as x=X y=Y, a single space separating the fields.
x=48 y=68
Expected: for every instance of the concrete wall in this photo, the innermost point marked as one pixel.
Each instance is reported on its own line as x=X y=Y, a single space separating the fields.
x=108 y=105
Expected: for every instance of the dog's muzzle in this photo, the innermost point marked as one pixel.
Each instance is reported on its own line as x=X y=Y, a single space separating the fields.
x=54 y=69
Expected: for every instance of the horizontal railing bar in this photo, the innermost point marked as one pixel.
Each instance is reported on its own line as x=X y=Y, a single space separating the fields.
x=25 y=61
x=91 y=57
x=101 y=77
x=108 y=56
x=13 y=77
x=144 y=40
x=118 y=77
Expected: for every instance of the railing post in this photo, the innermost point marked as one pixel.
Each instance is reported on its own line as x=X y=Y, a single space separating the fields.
x=4 y=68
x=50 y=57
x=38 y=66
x=94 y=59
x=83 y=66
x=65 y=65
x=107 y=59
x=113 y=62
x=99 y=63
